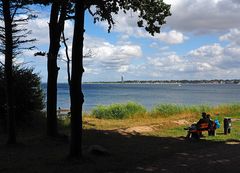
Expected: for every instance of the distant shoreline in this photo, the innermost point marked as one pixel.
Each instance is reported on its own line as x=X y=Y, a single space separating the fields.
x=215 y=81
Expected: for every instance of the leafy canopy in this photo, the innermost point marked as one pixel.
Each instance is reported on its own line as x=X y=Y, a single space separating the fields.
x=151 y=13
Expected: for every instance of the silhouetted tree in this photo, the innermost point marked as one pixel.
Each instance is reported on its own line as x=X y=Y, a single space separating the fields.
x=14 y=14
x=76 y=95
x=28 y=94
x=56 y=27
x=58 y=15
x=151 y=13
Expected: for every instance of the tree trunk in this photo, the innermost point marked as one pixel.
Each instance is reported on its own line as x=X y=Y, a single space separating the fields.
x=56 y=27
x=9 y=72
x=76 y=94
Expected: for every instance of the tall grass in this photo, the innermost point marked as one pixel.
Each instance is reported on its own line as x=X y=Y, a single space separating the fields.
x=130 y=109
x=228 y=109
x=166 y=110
x=118 y=111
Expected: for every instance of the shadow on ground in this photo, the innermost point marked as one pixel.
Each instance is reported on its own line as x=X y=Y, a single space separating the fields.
x=127 y=154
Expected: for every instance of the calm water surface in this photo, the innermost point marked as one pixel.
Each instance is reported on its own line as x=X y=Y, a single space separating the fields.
x=152 y=94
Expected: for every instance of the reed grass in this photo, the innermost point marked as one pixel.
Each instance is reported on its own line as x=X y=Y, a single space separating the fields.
x=131 y=109
x=166 y=110
x=118 y=111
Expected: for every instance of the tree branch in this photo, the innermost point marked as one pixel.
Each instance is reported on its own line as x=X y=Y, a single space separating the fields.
x=68 y=58
x=2 y=64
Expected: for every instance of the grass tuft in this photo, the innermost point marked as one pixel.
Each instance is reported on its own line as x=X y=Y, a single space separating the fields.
x=118 y=111
x=166 y=110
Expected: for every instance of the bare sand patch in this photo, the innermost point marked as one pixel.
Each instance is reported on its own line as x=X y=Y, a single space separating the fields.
x=181 y=122
x=148 y=128
x=139 y=129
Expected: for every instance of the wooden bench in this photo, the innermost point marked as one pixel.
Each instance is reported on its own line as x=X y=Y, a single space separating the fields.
x=195 y=131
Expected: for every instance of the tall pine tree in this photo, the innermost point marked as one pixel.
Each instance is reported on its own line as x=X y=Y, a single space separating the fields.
x=13 y=37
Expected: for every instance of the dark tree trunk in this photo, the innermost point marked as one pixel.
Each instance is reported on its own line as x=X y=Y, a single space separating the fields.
x=56 y=27
x=76 y=94
x=9 y=72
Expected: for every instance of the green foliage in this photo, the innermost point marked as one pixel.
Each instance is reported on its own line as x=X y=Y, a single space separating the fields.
x=118 y=111
x=167 y=109
x=229 y=109
x=173 y=109
x=28 y=94
x=198 y=108
x=151 y=14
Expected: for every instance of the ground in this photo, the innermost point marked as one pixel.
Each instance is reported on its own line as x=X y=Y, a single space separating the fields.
x=128 y=150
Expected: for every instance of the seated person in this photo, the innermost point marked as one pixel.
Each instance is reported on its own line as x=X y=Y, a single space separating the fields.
x=211 y=126
x=210 y=122
x=204 y=119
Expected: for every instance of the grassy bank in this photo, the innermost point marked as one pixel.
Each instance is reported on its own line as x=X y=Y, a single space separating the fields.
x=131 y=110
x=163 y=120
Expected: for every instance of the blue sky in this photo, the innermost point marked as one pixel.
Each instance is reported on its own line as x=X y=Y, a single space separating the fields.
x=201 y=40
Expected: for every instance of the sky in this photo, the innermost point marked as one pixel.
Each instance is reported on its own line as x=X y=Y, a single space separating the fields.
x=201 y=40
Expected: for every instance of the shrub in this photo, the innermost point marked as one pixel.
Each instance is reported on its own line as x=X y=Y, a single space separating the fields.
x=28 y=93
x=118 y=111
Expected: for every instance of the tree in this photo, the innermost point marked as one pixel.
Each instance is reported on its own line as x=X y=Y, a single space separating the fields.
x=8 y=52
x=151 y=13
x=56 y=27
x=76 y=94
x=12 y=37
x=58 y=15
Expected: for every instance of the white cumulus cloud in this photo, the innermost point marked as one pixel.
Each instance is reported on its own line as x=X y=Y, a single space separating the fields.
x=107 y=56
x=204 y=16
x=171 y=37
x=232 y=36
x=126 y=24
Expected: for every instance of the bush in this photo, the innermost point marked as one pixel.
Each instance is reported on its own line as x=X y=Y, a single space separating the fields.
x=28 y=93
x=118 y=111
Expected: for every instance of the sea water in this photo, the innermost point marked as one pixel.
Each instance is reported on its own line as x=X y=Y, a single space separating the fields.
x=150 y=95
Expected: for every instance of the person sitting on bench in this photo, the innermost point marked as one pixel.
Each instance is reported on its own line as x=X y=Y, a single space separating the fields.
x=203 y=124
x=204 y=119
x=211 y=125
